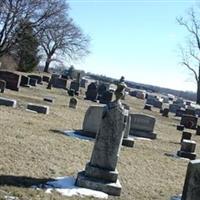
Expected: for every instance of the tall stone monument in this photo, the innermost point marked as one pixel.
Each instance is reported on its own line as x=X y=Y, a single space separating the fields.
x=100 y=173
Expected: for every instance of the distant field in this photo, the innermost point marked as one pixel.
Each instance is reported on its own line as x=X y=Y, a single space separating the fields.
x=31 y=149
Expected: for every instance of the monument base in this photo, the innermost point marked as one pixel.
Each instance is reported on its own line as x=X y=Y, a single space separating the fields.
x=128 y=142
x=191 y=156
x=111 y=188
x=143 y=134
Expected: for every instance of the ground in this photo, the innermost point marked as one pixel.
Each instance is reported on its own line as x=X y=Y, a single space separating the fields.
x=33 y=150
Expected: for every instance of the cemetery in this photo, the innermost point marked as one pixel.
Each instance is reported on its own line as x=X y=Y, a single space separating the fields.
x=125 y=157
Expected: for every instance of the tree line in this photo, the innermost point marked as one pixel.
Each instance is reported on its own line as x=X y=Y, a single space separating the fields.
x=31 y=30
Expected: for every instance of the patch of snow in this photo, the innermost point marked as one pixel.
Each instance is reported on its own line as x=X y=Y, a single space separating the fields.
x=141 y=138
x=11 y=198
x=66 y=187
x=77 y=134
x=176 y=197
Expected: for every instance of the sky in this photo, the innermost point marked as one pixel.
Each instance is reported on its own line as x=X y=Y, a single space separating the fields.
x=137 y=39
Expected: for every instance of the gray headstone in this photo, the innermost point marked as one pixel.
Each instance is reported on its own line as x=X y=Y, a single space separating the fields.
x=37 y=77
x=91 y=93
x=73 y=102
x=187 y=149
x=8 y=102
x=100 y=173
x=92 y=119
x=191 y=189
x=12 y=79
x=142 y=126
x=189 y=121
x=38 y=108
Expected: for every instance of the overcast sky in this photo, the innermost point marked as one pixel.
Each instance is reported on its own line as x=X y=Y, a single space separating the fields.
x=136 y=39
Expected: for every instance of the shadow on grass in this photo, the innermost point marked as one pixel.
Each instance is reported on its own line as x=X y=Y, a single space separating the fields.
x=22 y=181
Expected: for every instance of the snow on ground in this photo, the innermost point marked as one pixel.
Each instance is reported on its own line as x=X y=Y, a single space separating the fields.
x=77 y=134
x=176 y=197
x=66 y=187
x=140 y=138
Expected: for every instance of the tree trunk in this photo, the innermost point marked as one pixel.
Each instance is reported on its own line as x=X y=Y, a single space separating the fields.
x=47 y=63
x=198 y=93
x=198 y=87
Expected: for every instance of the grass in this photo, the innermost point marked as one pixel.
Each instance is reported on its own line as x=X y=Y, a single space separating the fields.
x=32 y=151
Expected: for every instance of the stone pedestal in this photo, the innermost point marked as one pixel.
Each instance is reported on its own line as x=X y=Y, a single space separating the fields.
x=127 y=140
x=100 y=173
x=187 y=149
x=165 y=112
x=180 y=127
x=186 y=136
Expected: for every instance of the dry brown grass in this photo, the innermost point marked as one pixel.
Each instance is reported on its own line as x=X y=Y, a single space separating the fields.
x=30 y=148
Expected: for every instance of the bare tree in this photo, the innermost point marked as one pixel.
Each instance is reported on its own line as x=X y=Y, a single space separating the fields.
x=63 y=39
x=190 y=54
x=12 y=12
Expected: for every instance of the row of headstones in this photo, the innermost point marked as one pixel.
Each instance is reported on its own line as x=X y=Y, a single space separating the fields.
x=30 y=106
x=13 y=81
x=101 y=93
x=189 y=121
x=188 y=146
x=140 y=125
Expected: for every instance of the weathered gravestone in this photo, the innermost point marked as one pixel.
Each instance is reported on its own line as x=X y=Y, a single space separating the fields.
x=74 y=86
x=191 y=189
x=71 y=92
x=100 y=173
x=45 y=78
x=2 y=86
x=92 y=120
x=33 y=82
x=147 y=107
x=127 y=141
x=106 y=97
x=12 y=79
x=37 y=77
x=142 y=126
x=188 y=103
x=190 y=111
x=73 y=102
x=83 y=83
x=49 y=99
x=91 y=93
x=198 y=130
x=180 y=112
x=189 y=121
x=174 y=107
x=151 y=100
x=157 y=104
x=186 y=136
x=25 y=81
x=38 y=108
x=165 y=112
x=187 y=149
x=59 y=83
x=8 y=102
x=180 y=127
x=101 y=89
